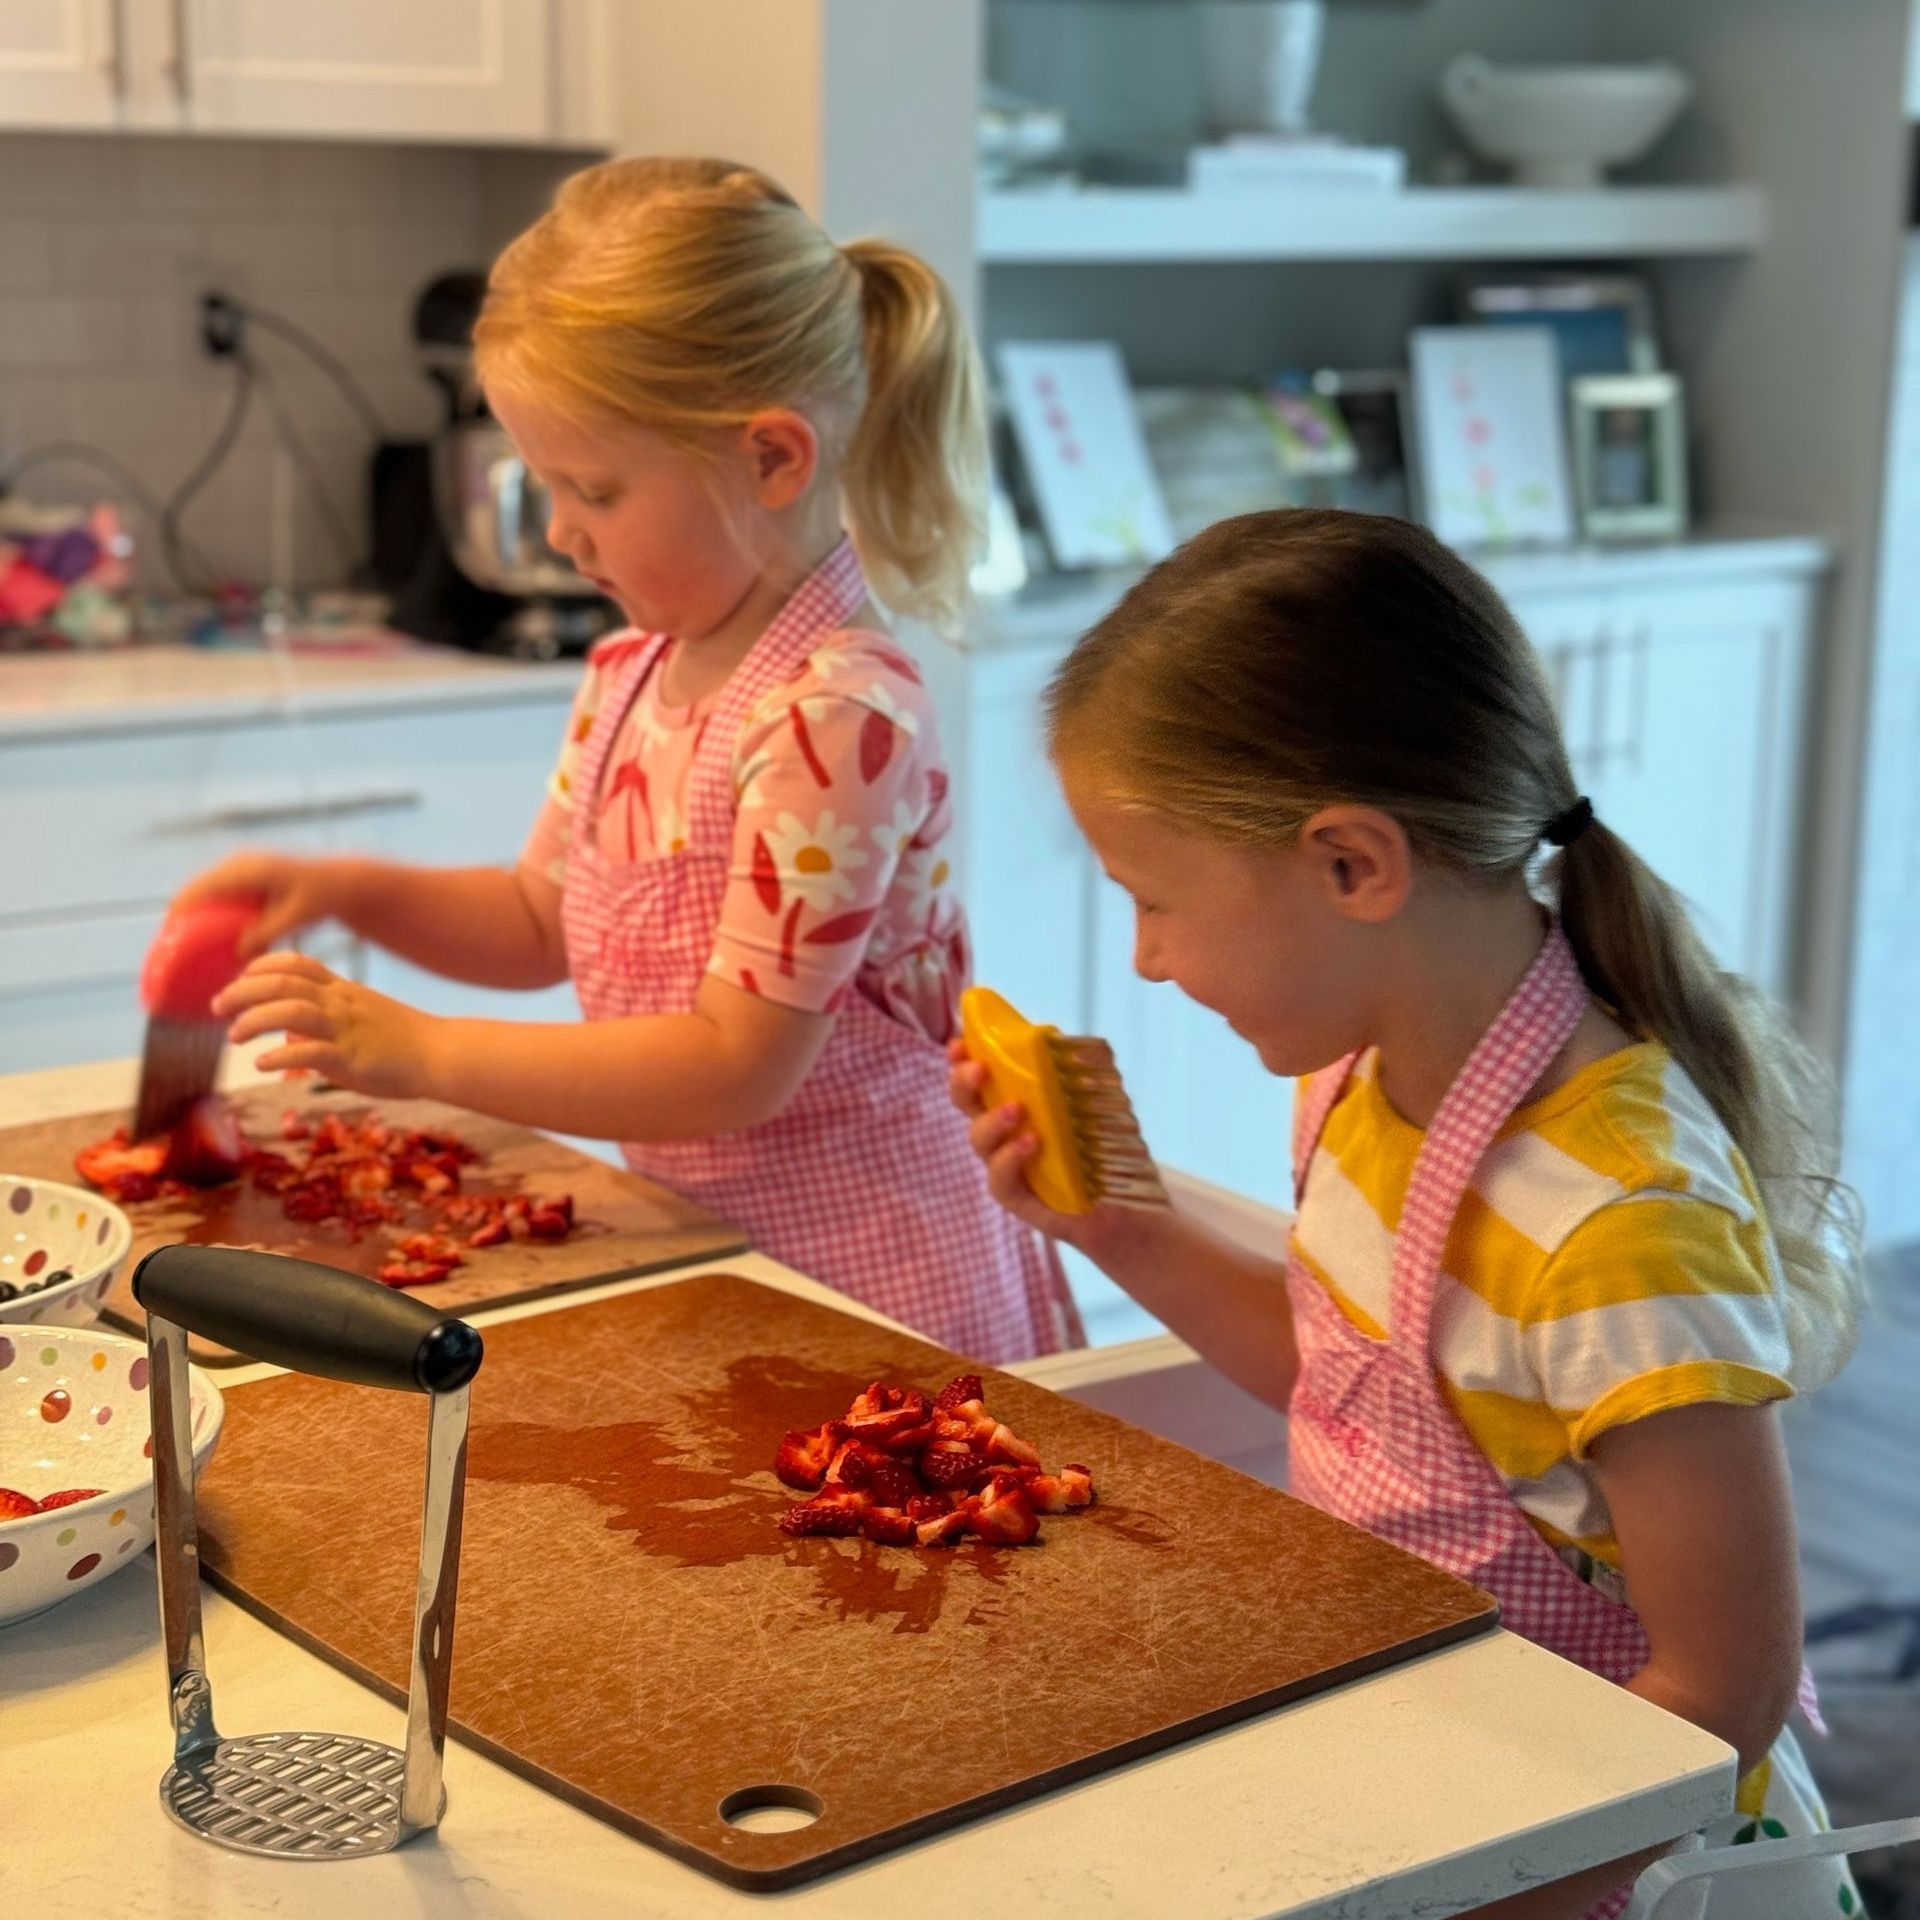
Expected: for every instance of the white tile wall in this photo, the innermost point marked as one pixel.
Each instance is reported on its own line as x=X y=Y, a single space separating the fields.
x=105 y=245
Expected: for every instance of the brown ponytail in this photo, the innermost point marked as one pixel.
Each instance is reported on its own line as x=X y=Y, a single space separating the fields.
x=915 y=476
x=1640 y=953
x=1279 y=663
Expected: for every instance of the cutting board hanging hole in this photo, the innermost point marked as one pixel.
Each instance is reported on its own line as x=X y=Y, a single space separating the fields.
x=771 y=1809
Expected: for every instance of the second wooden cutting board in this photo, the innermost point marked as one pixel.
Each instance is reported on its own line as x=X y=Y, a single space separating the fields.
x=636 y=1635
x=625 y=1225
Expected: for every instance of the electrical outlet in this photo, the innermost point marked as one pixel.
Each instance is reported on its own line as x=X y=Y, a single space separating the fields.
x=223 y=325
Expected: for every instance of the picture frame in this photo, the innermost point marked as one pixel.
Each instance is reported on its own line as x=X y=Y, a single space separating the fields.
x=1602 y=322
x=1491 y=424
x=1376 y=406
x=1083 y=454
x=1630 y=455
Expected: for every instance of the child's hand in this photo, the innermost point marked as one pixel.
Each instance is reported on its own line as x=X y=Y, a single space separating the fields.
x=293 y=893
x=1000 y=1137
x=353 y=1036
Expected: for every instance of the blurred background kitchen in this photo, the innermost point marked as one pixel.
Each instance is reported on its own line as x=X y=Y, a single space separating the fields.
x=1619 y=295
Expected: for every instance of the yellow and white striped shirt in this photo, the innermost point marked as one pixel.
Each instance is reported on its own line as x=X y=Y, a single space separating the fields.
x=1609 y=1260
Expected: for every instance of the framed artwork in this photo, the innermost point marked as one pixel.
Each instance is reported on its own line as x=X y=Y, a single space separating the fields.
x=1630 y=455
x=1492 y=435
x=1602 y=323
x=1085 y=457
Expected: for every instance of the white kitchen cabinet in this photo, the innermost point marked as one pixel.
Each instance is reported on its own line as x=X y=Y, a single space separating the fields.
x=368 y=69
x=483 y=71
x=105 y=810
x=61 y=63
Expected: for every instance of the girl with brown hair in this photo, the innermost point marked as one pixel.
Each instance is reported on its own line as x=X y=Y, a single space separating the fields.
x=1567 y=1227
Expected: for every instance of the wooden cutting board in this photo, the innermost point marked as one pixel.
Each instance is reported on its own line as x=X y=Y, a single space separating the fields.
x=635 y=1634
x=623 y=1224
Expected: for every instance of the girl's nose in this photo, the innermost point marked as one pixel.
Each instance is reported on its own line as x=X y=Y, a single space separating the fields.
x=1146 y=958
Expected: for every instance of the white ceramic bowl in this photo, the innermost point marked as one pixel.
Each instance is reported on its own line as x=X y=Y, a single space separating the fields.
x=46 y=1227
x=1558 y=126
x=74 y=1413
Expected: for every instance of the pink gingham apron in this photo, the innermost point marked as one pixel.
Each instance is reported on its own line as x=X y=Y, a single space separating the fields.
x=1371 y=1438
x=865 y=1181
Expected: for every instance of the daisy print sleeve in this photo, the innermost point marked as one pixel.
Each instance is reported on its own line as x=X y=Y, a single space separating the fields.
x=838 y=880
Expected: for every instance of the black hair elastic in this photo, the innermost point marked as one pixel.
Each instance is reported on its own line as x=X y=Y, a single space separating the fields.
x=1565 y=828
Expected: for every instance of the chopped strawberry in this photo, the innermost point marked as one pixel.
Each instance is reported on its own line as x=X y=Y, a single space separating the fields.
x=835 y=1512
x=294 y=1127
x=546 y=1222
x=965 y=1386
x=205 y=1148
x=887 y=1527
x=946 y=1530
x=68 y=1496
x=16 y=1506
x=801 y=1459
x=121 y=1167
x=490 y=1235
x=1007 y=1445
x=928 y=1506
x=880 y=1477
x=1003 y=1516
x=949 y=1463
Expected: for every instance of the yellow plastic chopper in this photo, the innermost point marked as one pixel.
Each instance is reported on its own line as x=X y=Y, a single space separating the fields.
x=1091 y=1147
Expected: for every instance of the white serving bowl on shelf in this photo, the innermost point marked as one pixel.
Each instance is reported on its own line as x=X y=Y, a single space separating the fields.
x=1559 y=127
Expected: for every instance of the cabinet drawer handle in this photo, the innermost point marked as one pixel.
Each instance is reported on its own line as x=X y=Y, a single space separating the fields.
x=284 y=812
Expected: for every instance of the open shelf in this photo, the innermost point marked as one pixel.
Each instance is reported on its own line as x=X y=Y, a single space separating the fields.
x=1043 y=227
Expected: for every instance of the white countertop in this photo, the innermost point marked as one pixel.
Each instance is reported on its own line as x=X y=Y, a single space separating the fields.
x=1054 y=609
x=1424 y=1790
x=111 y=690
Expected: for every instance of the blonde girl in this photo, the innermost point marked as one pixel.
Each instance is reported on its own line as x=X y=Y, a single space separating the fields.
x=1566 y=1232
x=739 y=862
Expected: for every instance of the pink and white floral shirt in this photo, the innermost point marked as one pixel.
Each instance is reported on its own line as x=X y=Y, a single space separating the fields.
x=838 y=882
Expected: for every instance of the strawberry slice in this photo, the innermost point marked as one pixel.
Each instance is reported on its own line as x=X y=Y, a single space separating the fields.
x=801 y=1459
x=928 y=1506
x=947 y=1530
x=1001 y=1515
x=68 y=1496
x=838 y=1511
x=888 y=1527
x=1005 y=1444
x=964 y=1386
x=16 y=1506
x=878 y=1475
x=121 y=1167
x=949 y=1463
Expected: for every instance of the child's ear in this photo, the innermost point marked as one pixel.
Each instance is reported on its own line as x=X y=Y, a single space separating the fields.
x=783 y=453
x=1362 y=859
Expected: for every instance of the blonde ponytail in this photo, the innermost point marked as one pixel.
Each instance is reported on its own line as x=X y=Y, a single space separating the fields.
x=915 y=476
x=688 y=295
x=1641 y=955
x=1283 y=662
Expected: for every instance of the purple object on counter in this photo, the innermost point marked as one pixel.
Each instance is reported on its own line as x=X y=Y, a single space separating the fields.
x=67 y=556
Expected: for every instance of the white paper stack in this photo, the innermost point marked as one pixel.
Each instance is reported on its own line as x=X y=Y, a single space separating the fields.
x=1273 y=162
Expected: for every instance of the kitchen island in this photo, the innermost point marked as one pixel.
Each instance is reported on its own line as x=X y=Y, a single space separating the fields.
x=1425 y=1789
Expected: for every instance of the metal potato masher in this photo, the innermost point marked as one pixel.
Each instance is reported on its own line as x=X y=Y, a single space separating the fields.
x=303 y=1796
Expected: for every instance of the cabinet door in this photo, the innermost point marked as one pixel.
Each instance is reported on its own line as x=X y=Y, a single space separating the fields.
x=1683 y=714
x=425 y=70
x=60 y=63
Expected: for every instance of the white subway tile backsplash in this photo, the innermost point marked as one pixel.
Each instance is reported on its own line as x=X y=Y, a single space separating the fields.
x=112 y=256
x=45 y=331
x=107 y=242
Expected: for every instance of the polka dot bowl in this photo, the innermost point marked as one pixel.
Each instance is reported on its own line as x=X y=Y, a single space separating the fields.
x=74 y=1414
x=47 y=1228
